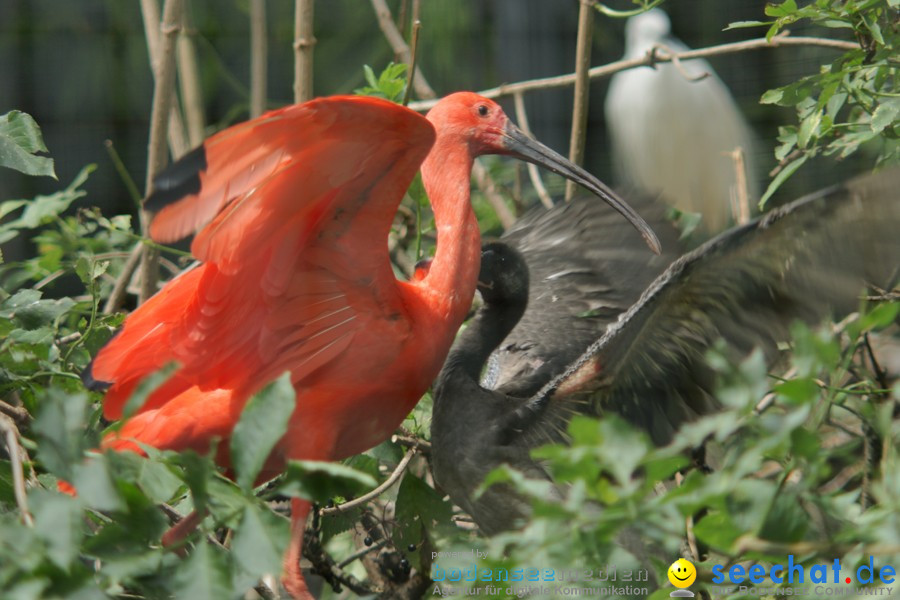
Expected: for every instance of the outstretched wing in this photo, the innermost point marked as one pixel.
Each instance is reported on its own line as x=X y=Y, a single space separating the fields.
x=800 y=261
x=586 y=269
x=293 y=209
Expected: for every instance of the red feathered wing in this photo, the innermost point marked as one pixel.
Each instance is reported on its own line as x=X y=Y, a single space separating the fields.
x=294 y=209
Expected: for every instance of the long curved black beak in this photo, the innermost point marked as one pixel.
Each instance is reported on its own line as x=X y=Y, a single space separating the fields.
x=517 y=144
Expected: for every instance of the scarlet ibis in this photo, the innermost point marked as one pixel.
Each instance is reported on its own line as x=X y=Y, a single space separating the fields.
x=293 y=211
x=646 y=363
x=671 y=135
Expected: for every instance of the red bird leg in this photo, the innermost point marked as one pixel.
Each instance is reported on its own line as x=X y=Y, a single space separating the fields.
x=176 y=534
x=292 y=576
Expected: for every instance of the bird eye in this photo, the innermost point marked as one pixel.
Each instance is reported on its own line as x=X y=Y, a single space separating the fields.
x=482 y=110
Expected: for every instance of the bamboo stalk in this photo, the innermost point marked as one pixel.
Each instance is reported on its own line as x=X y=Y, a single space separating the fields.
x=178 y=141
x=191 y=91
x=258 y=58
x=304 y=43
x=582 y=88
x=163 y=94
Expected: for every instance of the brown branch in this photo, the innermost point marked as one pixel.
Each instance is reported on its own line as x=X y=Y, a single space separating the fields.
x=391 y=480
x=304 y=43
x=400 y=48
x=163 y=94
x=191 y=92
x=120 y=288
x=559 y=81
x=533 y=172
x=258 y=58
x=19 y=414
x=11 y=433
x=582 y=88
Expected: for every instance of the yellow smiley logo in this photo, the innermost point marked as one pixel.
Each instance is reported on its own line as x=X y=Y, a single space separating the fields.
x=682 y=573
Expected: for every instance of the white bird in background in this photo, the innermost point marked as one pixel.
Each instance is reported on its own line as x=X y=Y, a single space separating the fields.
x=673 y=134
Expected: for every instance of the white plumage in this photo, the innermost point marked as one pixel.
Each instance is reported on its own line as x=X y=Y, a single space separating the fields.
x=674 y=136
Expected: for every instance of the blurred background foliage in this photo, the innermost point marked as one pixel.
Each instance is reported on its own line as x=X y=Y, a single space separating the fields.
x=81 y=70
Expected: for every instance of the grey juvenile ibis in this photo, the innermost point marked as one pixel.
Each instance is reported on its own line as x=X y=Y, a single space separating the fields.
x=645 y=362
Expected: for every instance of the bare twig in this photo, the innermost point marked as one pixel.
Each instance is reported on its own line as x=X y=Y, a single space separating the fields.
x=11 y=433
x=649 y=60
x=362 y=552
x=18 y=414
x=123 y=173
x=487 y=186
x=258 y=58
x=533 y=173
x=582 y=88
x=175 y=127
x=417 y=25
x=391 y=480
x=304 y=43
x=163 y=94
x=400 y=48
x=120 y=288
x=191 y=93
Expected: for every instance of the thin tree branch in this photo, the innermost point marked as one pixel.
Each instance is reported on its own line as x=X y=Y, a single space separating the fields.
x=11 y=433
x=582 y=88
x=391 y=480
x=191 y=92
x=649 y=60
x=400 y=48
x=424 y=90
x=533 y=172
x=304 y=43
x=258 y=58
x=163 y=95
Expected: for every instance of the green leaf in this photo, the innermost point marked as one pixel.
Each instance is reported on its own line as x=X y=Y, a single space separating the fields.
x=885 y=115
x=59 y=427
x=717 y=530
x=258 y=544
x=798 y=391
x=43 y=209
x=782 y=176
x=263 y=423
x=808 y=128
x=419 y=509
x=95 y=484
x=203 y=576
x=20 y=141
x=57 y=521
x=88 y=269
x=746 y=24
x=321 y=481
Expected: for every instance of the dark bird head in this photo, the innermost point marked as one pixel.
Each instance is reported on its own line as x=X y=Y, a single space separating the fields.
x=503 y=278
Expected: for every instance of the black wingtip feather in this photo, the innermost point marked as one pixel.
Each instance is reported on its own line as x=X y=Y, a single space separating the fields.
x=94 y=385
x=180 y=179
x=87 y=375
